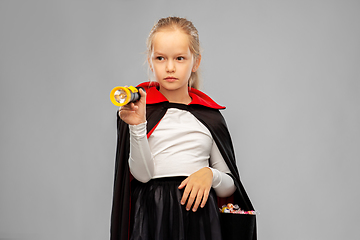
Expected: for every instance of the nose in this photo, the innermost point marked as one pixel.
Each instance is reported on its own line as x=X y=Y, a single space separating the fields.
x=170 y=66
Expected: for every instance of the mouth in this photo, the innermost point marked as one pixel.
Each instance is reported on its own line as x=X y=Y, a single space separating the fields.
x=170 y=79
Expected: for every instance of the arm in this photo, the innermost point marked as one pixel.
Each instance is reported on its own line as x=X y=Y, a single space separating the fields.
x=197 y=185
x=222 y=183
x=141 y=162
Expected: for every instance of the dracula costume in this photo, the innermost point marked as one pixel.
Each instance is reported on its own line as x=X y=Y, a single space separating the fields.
x=207 y=112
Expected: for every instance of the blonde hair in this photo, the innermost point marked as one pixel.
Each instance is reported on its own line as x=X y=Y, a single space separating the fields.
x=177 y=23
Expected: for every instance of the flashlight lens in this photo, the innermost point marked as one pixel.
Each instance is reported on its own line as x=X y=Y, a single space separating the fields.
x=120 y=96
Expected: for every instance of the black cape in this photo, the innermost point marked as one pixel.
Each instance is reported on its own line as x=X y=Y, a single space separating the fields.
x=207 y=112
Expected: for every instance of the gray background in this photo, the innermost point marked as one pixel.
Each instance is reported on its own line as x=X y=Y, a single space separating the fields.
x=288 y=72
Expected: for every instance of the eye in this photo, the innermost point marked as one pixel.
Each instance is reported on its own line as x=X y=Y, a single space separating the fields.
x=160 y=58
x=180 y=58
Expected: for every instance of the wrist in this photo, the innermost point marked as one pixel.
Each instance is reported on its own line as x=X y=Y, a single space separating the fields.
x=211 y=170
x=138 y=130
x=216 y=177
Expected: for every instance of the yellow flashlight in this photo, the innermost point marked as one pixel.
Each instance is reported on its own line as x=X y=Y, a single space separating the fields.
x=121 y=96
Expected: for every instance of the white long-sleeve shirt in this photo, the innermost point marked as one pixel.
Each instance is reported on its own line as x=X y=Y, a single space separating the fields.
x=179 y=146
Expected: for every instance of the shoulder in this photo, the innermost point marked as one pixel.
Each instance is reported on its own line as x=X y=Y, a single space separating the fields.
x=200 y=98
x=211 y=117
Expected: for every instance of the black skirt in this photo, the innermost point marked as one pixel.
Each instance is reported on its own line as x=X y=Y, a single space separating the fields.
x=156 y=213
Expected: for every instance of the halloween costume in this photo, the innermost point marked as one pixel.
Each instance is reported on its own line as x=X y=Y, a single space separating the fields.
x=207 y=112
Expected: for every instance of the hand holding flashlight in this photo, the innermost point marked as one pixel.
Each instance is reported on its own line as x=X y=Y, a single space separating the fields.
x=132 y=103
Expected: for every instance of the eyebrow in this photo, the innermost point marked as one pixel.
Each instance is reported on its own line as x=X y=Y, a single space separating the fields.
x=159 y=53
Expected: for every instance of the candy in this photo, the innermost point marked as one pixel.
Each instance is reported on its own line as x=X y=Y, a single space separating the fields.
x=230 y=208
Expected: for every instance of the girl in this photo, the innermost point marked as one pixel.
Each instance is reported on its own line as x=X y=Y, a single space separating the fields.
x=174 y=154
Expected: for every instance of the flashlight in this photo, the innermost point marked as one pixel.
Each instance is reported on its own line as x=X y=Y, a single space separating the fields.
x=121 y=96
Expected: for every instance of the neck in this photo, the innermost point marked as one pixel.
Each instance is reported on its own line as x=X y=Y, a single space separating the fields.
x=182 y=97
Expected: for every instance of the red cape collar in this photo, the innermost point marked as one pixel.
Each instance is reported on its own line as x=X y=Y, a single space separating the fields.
x=199 y=98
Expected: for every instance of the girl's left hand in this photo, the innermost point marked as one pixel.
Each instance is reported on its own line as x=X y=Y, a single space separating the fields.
x=197 y=188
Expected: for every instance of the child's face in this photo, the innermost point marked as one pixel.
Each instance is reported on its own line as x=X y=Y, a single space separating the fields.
x=171 y=60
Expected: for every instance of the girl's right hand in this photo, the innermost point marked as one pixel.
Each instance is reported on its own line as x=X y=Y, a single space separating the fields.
x=134 y=113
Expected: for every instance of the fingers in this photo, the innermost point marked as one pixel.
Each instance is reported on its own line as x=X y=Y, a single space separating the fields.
x=142 y=100
x=197 y=199
x=201 y=197
x=183 y=183
x=190 y=194
x=142 y=92
x=194 y=195
x=186 y=191
x=205 y=198
x=126 y=109
x=132 y=114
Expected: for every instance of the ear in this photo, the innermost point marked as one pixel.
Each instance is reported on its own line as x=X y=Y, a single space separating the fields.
x=196 y=63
